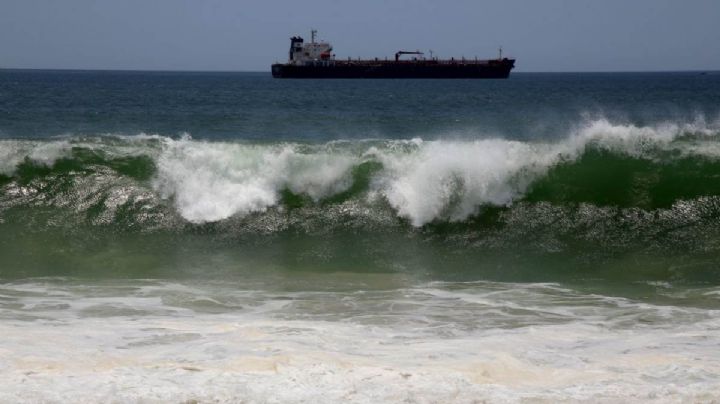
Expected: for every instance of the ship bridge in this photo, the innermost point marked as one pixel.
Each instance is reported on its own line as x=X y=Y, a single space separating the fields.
x=301 y=53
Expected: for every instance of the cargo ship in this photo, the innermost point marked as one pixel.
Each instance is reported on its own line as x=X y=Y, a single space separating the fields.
x=315 y=60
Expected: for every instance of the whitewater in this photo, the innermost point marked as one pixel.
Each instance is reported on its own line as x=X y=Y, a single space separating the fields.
x=172 y=342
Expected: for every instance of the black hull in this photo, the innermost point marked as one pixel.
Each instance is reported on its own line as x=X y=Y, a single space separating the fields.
x=494 y=69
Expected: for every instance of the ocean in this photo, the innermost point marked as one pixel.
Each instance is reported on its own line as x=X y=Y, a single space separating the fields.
x=228 y=237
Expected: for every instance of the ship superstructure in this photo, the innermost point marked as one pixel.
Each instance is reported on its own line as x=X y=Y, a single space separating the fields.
x=302 y=53
x=316 y=60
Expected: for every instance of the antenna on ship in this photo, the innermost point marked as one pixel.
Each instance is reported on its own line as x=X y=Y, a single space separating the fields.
x=500 y=53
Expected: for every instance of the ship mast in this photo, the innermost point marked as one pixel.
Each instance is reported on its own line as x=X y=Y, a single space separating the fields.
x=312 y=35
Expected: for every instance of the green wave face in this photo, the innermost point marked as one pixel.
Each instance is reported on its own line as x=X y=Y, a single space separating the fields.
x=639 y=207
x=605 y=178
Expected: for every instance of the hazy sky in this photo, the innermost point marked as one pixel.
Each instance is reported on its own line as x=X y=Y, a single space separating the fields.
x=544 y=35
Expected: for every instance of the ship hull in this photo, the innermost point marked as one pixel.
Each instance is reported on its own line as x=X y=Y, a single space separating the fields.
x=494 y=69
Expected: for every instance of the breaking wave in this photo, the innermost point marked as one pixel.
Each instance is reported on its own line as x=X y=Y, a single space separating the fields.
x=422 y=182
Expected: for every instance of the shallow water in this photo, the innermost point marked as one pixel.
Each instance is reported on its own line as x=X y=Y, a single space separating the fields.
x=351 y=339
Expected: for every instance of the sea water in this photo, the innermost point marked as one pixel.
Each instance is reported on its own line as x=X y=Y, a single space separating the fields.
x=225 y=237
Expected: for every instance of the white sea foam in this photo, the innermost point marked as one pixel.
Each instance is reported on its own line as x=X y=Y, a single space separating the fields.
x=213 y=181
x=14 y=152
x=452 y=178
x=156 y=342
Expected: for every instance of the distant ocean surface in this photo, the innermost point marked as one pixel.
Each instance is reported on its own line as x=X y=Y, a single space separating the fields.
x=225 y=237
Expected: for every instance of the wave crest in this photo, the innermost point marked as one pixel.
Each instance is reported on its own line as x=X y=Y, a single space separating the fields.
x=213 y=181
x=422 y=181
